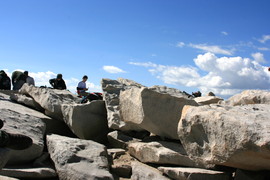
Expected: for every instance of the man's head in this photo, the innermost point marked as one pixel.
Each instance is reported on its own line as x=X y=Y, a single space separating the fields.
x=84 y=78
x=25 y=73
x=59 y=76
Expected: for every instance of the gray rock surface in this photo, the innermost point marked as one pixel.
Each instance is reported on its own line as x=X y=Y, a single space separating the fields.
x=78 y=159
x=142 y=171
x=234 y=136
x=28 y=101
x=87 y=121
x=7 y=178
x=249 y=97
x=206 y=100
x=111 y=91
x=50 y=99
x=156 y=112
x=4 y=157
x=161 y=152
x=183 y=173
x=119 y=140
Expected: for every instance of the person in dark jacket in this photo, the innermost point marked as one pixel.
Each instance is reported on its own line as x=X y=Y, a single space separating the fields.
x=18 y=79
x=58 y=82
x=5 y=83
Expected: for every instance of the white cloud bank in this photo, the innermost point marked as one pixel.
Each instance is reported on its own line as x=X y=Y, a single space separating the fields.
x=225 y=76
x=264 y=38
x=113 y=69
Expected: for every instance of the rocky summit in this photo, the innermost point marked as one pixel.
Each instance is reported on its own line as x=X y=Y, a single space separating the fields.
x=136 y=132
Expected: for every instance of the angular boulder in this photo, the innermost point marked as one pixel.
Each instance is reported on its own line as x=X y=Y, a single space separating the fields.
x=249 y=97
x=119 y=140
x=206 y=100
x=87 y=121
x=234 y=136
x=111 y=91
x=78 y=159
x=28 y=101
x=160 y=153
x=156 y=112
x=183 y=173
x=142 y=171
x=50 y=99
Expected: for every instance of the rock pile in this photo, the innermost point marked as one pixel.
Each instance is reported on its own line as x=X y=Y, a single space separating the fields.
x=137 y=133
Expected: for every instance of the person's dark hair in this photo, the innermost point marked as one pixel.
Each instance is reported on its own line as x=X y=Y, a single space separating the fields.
x=25 y=73
x=85 y=77
x=59 y=76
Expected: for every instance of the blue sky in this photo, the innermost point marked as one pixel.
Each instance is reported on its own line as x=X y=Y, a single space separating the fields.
x=220 y=46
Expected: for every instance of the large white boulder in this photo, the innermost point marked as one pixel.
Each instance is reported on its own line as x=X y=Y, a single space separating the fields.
x=235 y=136
x=78 y=159
x=154 y=111
x=250 y=97
x=111 y=91
x=87 y=121
x=161 y=152
x=50 y=99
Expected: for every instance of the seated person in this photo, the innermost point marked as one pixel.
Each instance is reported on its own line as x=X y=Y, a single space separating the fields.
x=81 y=88
x=58 y=82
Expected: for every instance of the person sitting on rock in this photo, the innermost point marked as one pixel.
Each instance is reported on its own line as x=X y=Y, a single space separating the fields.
x=5 y=83
x=18 y=79
x=81 y=88
x=29 y=79
x=14 y=141
x=58 y=82
x=197 y=94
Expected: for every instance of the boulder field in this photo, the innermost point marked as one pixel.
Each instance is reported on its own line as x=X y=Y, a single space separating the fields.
x=138 y=133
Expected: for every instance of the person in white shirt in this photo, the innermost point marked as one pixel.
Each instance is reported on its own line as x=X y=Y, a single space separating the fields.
x=29 y=79
x=81 y=88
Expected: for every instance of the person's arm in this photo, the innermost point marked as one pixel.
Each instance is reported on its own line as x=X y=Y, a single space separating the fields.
x=52 y=82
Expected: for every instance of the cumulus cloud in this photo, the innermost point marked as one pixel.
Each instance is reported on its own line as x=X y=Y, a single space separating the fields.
x=258 y=57
x=264 y=38
x=113 y=69
x=224 y=33
x=180 y=44
x=225 y=76
x=212 y=49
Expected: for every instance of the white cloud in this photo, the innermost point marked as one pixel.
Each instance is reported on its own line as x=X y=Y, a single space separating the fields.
x=258 y=57
x=180 y=44
x=113 y=69
x=263 y=49
x=264 y=38
x=225 y=76
x=212 y=49
x=224 y=33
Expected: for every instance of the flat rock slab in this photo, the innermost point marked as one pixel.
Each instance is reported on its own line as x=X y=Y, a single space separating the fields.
x=152 y=110
x=205 y=100
x=32 y=173
x=50 y=99
x=142 y=171
x=234 y=136
x=182 y=173
x=160 y=153
x=78 y=159
x=117 y=139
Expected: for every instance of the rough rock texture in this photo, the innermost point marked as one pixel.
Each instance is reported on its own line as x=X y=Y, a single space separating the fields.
x=160 y=153
x=182 y=173
x=7 y=178
x=121 y=165
x=119 y=140
x=25 y=124
x=4 y=157
x=205 y=100
x=158 y=113
x=142 y=171
x=78 y=159
x=28 y=101
x=250 y=97
x=50 y=99
x=235 y=136
x=111 y=91
x=33 y=173
x=87 y=121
